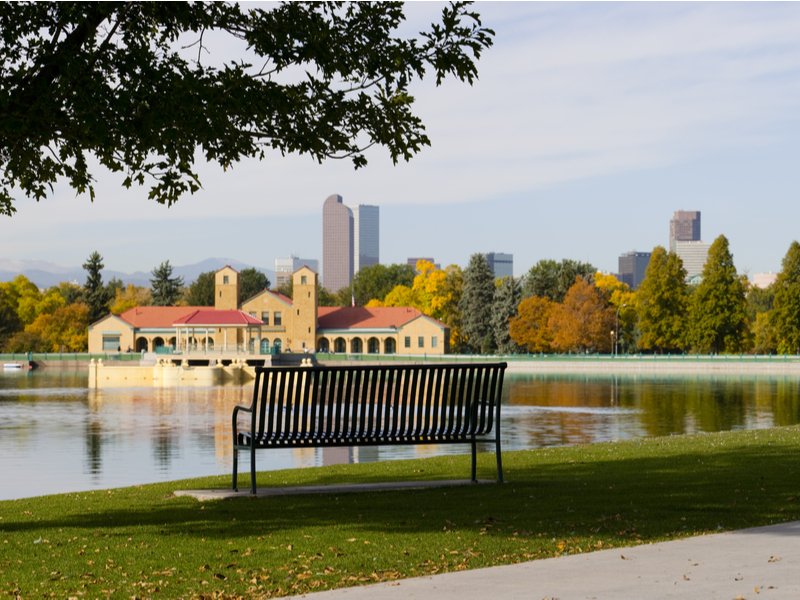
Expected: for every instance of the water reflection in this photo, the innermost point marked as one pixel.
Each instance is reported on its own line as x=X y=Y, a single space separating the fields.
x=56 y=435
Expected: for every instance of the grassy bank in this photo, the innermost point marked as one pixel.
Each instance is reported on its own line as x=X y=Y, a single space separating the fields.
x=144 y=542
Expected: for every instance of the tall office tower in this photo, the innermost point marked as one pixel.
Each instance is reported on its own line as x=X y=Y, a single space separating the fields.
x=694 y=255
x=284 y=267
x=337 y=244
x=502 y=265
x=632 y=266
x=366 y=240
x=684 y=227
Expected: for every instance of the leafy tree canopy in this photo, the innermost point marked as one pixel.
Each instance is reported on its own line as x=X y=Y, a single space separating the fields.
x=251 y=282
x=551 y=279
x=136 y=87
x=201 y=291
x=376 y=281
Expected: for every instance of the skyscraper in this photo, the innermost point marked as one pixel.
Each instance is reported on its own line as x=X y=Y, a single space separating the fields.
x=337 y=244
x=366 y=231
x=632 y=266
x=285 y=268
x=684 y=227
x=502 y=265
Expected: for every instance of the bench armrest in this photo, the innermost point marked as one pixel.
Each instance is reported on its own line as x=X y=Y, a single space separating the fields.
x=236 y=410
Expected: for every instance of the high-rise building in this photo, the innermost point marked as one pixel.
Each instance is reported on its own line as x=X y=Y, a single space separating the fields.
x=337 y=244
x=366 y=240
x=502 y=265
x=694 y=255
x=632 y=266
x=684 y=227
x=284 y=267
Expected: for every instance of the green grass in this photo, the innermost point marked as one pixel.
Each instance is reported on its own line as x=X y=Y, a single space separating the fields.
x=144 y=542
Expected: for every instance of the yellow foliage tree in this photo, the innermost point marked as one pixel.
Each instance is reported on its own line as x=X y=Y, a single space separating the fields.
x=65 y=329
x=130 y=297
x=583 y=322
x=530 y=328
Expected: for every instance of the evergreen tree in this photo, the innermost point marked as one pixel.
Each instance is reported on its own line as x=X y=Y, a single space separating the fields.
x=661 y=303
x=786 y=308
x=718 y=308
x=95 y=294
x=165 y=288
x=476 y=305
x=506 y=299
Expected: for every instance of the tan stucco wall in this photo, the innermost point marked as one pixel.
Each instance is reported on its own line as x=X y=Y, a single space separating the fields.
x=110 y=325
x=426 y=329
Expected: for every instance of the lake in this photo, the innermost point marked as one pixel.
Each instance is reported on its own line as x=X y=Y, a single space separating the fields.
x=57 y=436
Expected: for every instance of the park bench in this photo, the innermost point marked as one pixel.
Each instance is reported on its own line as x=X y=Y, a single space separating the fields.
x=371 y=405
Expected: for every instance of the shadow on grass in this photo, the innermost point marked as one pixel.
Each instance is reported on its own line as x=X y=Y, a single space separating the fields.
x=592 y=492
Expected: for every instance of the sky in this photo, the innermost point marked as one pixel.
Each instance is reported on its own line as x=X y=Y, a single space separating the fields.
x=590 y=124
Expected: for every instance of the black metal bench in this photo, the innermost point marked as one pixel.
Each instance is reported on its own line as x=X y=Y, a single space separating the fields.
x=322 y=406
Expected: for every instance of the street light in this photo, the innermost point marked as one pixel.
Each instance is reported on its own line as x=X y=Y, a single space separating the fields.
x=616 y=329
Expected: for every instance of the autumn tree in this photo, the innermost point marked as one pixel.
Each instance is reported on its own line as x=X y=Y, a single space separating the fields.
x=551 y=279
x=531 y=327
x=785 y=318
x=662 y=303
x=130 y=297
x=164 y=288
x=476 y=305
x=718 y=307
x=9 y=319
x=583 y=322
x=95 y=294
x=137 y=87
x=623 y=300
x=507 y=295
x=65 y=330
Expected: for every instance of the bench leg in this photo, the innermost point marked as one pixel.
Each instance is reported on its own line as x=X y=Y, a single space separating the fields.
x=499 y=458
x=235 y=467
x=474 y=462
x=253 y=470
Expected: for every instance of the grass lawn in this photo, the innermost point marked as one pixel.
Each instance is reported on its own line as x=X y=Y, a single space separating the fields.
x=144 y=542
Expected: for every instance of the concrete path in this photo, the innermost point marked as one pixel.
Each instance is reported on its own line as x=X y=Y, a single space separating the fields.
x=760 y=563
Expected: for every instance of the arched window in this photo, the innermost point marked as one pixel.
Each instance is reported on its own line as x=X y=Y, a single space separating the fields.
x=373 y=346
x=356 y=346
x=323 y=345
x=390 y=346
x=339 y=345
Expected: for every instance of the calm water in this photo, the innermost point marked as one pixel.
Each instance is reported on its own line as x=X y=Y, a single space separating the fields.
x=58 y=436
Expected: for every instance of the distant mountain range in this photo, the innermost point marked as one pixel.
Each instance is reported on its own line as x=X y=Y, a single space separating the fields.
x=45 y=274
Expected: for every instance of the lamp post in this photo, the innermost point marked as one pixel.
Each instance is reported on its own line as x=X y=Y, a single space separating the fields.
x=616 y=329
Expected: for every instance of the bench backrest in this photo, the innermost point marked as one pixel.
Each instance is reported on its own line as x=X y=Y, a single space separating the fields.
x=385 y=401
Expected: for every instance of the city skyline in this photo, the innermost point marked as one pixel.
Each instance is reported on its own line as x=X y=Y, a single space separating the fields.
x=589 y=126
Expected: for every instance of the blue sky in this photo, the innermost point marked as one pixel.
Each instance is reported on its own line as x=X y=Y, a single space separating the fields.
x=590 y=125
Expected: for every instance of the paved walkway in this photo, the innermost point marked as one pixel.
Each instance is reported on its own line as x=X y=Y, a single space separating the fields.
x=760 y=563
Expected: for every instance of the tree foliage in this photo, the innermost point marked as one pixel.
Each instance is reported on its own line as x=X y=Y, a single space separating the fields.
x=507 y=295
x=201 y=290
x=137 y=87
x=130 y=297
x=551 y=279
x=251 y=282
x=476 y=305
x=718 y=308
x=661 y=303
x=785 y=318
x=65 y=330
x=584 y=321
x=531 y=327
x=95 y=294
x=376 y=281
x=164 y=288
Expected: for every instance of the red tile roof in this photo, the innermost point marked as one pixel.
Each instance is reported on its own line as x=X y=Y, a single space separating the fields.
x=359 y=317
x=209 y=317
x=167 y=317
x=156 y=317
